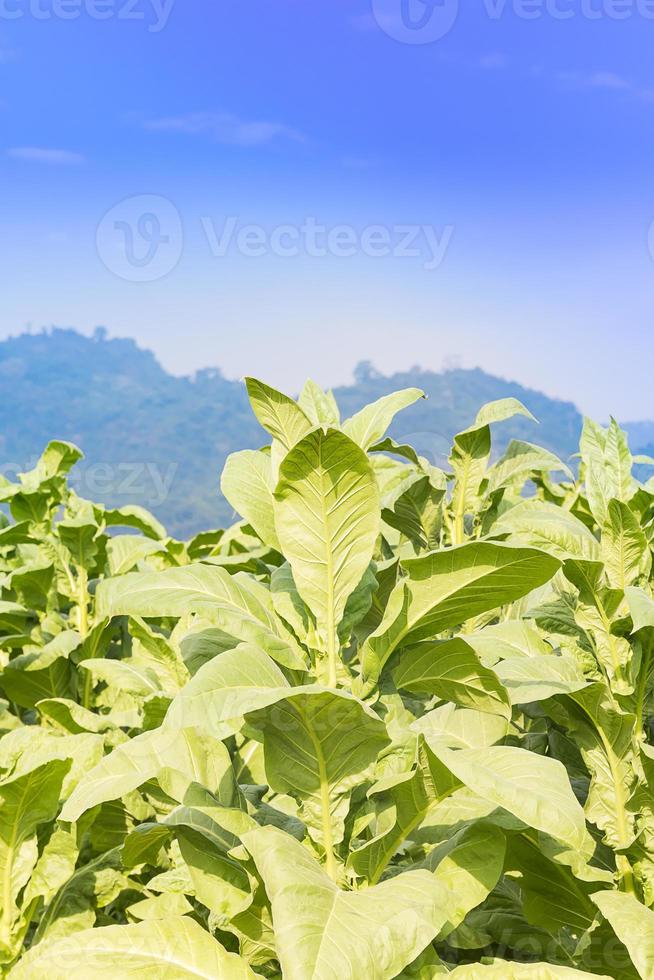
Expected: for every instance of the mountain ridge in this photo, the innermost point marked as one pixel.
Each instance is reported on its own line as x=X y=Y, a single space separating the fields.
x=161 y=440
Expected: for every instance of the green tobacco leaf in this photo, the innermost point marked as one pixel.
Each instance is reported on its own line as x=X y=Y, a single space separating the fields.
x=408 y=797
x=519 y=460
x=247 y=484
x=78 y=535
x=55 y=867
x=28 y=801
x=278 y=414
x=57 y=459
x=553 y=898
x=65 y=714
x=641 y=608
x=320 y=406
x=468 y=459
x=526 y=665
x=451 y=670
x=226 y=688
x=160 y=907
x=125 y=551
x=393 y=448
x=501 y=410
x=529 y=679
x=417 y=512
x=504 y=970
x=43 y=673
x=153 y=652
x=539 y=524
x=122 y=676
x=317 y=746
x=461 y=728
x=327 y=519
x=533 y=788
x=73 y=906
x=235 y=603
x=331 y=933
x=510 y=639
x=445 y=588
x=196 y=757
x=470 y=456
x=32 y=583
x=369 y=425
x=624 y=546
x=633 y=924
x=166 y=949
x=607 y=466
x=595 y=611
x=32 y=746
x=469 y=864
x=603 y=732
x=137 y=517
x=15 y=534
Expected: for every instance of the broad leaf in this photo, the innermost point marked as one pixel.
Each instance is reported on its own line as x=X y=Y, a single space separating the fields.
x=445 y=588
x=633 y=924
x=195 y=757
x=333 y=933
x=370 y=425
x=327 y=520
x=168 y=949
x=247 y=483
x=235 y=603
x=451 y=670
x=533 y=788
x=278 y=414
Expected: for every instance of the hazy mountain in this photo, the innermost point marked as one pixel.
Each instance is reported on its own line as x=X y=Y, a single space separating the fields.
x=161 y=440
x=641 y=435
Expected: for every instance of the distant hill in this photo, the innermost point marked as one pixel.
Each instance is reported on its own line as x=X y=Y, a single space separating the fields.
x=160 y=440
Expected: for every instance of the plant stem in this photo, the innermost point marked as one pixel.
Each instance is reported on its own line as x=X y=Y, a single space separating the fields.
x=325 y=809
x=83 y=626
x=332 y=657
x=640 y=692
x=459 y=526
x=83 y=602
x=622 y=862
x=327 y=830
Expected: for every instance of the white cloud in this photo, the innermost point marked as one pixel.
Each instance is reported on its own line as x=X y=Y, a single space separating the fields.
x=607 y=79
x=225 y=128
x=36 y=154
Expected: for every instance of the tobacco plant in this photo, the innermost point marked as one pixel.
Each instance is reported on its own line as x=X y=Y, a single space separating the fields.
x=396 y=722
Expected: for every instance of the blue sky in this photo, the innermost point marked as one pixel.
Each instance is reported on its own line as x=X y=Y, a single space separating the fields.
x=163 y=171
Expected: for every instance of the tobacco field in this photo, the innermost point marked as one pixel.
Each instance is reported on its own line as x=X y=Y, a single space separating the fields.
x=395 y=722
